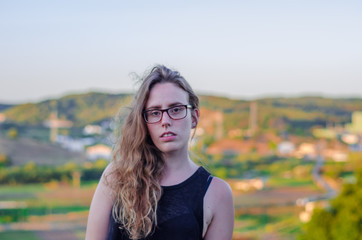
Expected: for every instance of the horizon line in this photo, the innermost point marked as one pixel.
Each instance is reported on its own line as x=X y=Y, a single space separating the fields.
x=200 y=93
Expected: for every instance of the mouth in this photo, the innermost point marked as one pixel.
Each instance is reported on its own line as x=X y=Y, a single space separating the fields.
x=168 y=134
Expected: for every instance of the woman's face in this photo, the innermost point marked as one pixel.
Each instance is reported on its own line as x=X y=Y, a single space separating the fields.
x=170 y=135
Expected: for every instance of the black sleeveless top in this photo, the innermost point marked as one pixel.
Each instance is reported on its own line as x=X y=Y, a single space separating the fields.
x=180 y=211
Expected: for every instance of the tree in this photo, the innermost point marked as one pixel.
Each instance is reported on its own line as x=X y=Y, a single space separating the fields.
x=13 y=133
x=342 y=220
x=4 y=160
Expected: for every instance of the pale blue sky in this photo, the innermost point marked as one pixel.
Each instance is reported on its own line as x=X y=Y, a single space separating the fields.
x=242 y=49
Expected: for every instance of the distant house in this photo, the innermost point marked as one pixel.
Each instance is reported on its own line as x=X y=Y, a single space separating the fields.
x=306 y=150
x=74 y=145
x=98 y=151
x=350 y=138
x=335 y=154
x=285 y=148
x=92 y=130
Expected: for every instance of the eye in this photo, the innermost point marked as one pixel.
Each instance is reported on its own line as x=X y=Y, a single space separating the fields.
x=176 y=109
x=154 y=113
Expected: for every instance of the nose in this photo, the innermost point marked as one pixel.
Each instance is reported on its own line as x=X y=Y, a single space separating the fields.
x=165 y=119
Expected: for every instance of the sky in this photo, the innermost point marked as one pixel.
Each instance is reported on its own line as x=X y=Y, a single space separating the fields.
x=244 y=49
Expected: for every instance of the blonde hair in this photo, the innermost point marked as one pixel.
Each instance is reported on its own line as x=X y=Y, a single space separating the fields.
x=138 y=164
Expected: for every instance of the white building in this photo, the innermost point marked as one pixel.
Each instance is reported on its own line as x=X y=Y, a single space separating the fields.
x=306 y=150
x=285 y=148
x=92 y=130
x=98 y=151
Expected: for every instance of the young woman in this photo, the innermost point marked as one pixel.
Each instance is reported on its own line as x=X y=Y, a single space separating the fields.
x=152 y=189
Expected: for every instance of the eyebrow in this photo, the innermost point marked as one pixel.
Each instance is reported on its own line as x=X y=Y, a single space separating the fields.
x=169 y=105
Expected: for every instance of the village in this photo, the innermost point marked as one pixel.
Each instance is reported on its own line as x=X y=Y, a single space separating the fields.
x=333 y=142
x=256 y=193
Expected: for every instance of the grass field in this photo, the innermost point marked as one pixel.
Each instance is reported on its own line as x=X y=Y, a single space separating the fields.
x=14 y=235
x=49 y=208
x=54 y=207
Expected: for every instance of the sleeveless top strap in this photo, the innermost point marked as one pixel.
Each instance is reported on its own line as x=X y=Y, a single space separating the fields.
x=209 y=179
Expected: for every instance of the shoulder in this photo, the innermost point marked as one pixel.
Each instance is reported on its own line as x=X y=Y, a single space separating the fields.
x=106 y=185
x=218 y=197
x=219 y=190
x=109 y=175
x=218 y=210
x=101 y=206
x=109 y=169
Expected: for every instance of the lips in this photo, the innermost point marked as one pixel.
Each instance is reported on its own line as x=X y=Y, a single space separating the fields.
x=168 y=134
x=168 y=137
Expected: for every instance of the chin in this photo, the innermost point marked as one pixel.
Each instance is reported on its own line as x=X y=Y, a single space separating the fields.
x=170 y=148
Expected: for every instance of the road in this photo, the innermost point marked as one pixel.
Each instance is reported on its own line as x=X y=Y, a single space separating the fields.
x=319 y=180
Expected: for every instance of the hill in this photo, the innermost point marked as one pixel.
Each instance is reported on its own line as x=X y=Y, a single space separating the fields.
x=297 y=114
x=293 y=114
x=81 y=109
x=3 y=107
x=25 y=150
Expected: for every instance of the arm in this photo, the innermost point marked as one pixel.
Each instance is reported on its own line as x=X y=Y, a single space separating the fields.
x=218 y=211
x=100 y=209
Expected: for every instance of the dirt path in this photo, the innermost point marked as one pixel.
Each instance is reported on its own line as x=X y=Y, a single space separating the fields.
x=321 y=182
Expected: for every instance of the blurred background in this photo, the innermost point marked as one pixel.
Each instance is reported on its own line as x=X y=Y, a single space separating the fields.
x=281 y=107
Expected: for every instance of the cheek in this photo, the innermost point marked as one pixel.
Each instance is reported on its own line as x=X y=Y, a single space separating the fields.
x=185 y=128
x=150 y=130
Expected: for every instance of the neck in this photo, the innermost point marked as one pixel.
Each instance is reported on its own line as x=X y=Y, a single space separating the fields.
x=178 y=167
x=177 y=159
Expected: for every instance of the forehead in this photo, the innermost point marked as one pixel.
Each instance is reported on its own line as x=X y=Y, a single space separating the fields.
x=165 y=94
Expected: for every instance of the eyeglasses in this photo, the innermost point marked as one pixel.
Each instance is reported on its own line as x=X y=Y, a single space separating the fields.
x=176 y=113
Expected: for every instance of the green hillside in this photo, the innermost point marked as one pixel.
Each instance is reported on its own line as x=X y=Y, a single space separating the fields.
x=81 y=109
x=293 y=114
x=278 y=113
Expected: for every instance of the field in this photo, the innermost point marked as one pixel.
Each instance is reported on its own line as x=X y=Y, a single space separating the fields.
x=59 y=211
x=271 y=213
x=49 y=211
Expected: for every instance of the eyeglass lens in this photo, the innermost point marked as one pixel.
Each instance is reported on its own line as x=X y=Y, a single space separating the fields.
x=176 y=113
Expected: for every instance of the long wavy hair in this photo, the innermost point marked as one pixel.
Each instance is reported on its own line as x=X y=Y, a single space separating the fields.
x=137 y=163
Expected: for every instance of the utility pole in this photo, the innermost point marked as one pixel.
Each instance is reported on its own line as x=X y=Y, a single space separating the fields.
x=253 y=124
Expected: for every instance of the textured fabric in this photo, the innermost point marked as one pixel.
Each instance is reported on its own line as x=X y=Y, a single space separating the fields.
x=179 y=213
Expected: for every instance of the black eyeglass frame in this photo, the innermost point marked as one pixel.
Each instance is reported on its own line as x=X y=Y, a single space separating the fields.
x=187 y=106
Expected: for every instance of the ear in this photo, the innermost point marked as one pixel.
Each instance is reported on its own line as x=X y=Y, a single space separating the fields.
x=195 y=117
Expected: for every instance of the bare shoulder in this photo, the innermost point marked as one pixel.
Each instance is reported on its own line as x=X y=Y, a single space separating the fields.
x=218 y=211
x=108 y=173
x=100 y=208
x=109 y=170
x=107 y=180
x=219 y=190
